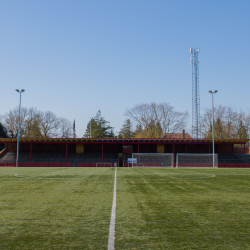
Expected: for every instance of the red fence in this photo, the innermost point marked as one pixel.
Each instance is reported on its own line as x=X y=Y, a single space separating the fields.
x=127 y=164
x=234 y=165
x=92 y=164
x=85 y=164
x=36 y=164
x=52 y=164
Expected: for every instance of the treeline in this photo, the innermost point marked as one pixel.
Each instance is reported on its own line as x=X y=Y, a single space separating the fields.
x=145 y=120
x=148 y=120
x=35 y=124
x=228 y=123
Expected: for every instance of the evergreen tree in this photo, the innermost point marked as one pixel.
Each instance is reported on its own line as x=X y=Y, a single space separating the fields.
x=219 y=132
x=34 y=130
x=242 y=131
x=74 y=129
x=152 y=130
x=126 y=130
x=91 y=129
x=138 y=131
x=209 y=132
x=98 y=127
x=3 y=131
x=3 y=134
x=111 y=134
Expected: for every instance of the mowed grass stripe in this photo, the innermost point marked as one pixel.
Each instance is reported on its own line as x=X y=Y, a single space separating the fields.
x=111 y=241
x=71 y=213
x=160 y=209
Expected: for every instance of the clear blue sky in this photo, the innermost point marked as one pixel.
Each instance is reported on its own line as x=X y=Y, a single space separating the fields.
x=76 y=57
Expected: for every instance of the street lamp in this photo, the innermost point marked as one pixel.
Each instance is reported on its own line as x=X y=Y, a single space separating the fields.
x=19 y=91
x=213 y=92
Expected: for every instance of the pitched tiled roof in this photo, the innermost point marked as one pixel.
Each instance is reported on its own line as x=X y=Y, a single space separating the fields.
x=177 y=136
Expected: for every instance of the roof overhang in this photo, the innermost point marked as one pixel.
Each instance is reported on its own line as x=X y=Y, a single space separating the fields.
x=123 y=141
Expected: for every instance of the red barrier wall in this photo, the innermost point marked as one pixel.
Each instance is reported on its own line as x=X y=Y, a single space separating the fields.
x=55 y=164
x=86 y=164
x=127 y=164
x=243 y=165
x=42 y=164
x=28 y=164
x=11 y=164
x=231 y=165
x=92 y=164
x=66 y=164
x=240 y=150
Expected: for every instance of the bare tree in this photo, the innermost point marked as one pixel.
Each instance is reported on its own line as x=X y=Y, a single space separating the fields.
x=228 y=123
x=155 y=120
x=65 y=129
x=11 y=121
x=231 y=117
x=49 y=124
x=35 y=123
x=172 y=121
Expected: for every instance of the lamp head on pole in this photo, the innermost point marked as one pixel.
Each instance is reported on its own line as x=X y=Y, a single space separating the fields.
x=22 y=90
x=212 y=92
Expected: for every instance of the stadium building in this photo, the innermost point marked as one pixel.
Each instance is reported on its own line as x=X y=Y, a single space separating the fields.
x=92 y=152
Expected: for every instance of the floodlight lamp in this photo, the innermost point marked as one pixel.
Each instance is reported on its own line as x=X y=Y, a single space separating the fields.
x=210 y=91
x=215 y=91
x=17 y=90
x=22 y=90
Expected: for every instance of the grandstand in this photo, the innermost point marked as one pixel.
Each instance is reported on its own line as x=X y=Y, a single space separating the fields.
x=89 y=151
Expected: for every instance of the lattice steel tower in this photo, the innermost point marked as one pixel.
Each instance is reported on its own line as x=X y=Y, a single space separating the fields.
x=195 y=60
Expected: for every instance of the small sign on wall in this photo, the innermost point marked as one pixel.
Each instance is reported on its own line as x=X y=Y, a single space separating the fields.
x=132 y=160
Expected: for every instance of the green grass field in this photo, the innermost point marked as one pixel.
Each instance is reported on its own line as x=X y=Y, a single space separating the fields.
x=157 y=208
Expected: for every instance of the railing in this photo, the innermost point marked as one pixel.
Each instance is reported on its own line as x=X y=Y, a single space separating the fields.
x=3 y=152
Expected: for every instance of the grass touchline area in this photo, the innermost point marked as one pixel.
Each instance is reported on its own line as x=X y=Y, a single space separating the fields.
x=156 y=208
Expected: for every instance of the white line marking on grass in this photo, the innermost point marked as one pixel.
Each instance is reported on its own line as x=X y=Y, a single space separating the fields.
x=202 y=177
x=193 y=178
x=111 y=241
x=18 y=175
x=49 y=178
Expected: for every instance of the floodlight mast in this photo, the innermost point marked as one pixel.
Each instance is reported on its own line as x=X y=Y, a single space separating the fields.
x=18 y=132
x=195 y=60
x=213 y=92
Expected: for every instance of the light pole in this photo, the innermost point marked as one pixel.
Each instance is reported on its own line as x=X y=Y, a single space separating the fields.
x=213 y=92
x=17 y=155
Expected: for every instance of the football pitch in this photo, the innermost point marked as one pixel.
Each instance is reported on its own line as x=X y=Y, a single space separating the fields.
x=156 y=208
